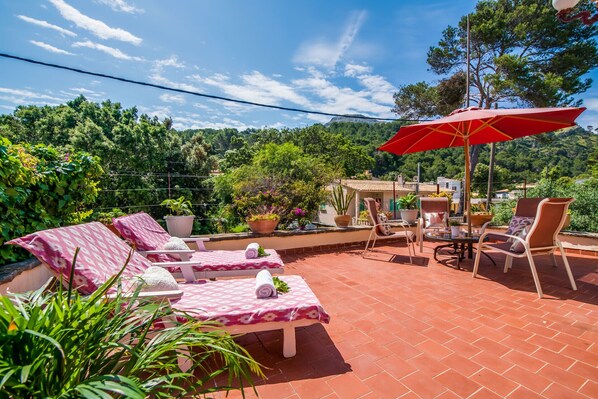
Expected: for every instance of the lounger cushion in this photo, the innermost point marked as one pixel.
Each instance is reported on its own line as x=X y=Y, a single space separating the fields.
x=220 y=300
x=102 y=254
x=144 y=233
x=221 y=260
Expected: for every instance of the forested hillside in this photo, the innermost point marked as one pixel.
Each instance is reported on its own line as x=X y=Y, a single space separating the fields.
x=145 y=160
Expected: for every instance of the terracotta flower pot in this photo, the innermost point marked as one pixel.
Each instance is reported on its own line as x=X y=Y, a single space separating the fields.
x=479 y=220
x=262 y=226
x=342 y=220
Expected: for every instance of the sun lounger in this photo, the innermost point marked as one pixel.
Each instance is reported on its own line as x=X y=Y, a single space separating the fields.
x=148 y=237
x=231 y=302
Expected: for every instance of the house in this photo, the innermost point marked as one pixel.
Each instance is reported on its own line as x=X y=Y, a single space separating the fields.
x=386 y=191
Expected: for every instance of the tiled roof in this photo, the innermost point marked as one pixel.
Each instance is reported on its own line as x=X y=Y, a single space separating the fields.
x=383 y=185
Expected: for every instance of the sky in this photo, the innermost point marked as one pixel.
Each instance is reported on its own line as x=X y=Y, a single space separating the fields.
x=334 y=56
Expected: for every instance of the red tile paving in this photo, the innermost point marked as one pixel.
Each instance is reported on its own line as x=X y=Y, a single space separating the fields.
x=431 y=331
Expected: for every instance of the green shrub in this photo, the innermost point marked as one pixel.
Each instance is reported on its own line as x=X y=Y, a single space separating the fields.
x=62 y=345
x=41 y=188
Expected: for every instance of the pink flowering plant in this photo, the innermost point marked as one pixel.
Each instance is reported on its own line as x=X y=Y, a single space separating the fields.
x=299 y=215
x=262 y=205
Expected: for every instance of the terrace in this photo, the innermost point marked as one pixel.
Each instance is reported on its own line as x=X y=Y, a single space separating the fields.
x=428 y=330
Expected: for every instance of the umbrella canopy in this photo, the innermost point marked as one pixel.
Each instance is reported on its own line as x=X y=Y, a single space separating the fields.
x=471 y=126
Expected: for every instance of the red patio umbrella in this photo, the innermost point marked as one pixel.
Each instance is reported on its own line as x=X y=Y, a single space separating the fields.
x=471 y=126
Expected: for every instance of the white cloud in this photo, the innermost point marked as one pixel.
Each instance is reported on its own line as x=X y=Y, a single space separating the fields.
x=325 y=53
x=173 y=98
x=76 y=91
x=50 y=48
x=353 y=70
x=114 y=52
x=121 y=6
x=256 y=87
x=27 y=94
x=45 y=24
x=97 y=27
x=164 y=81
x=171 y=61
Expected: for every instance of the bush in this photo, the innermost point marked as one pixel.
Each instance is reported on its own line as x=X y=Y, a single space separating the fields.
x=62 y=345
x=42 y=188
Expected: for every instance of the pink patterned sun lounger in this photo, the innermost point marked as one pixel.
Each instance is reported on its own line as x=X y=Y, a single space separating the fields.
x=230 y=302
x=148 y=237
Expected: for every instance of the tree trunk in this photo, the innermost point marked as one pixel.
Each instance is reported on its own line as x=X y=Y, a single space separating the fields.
x=490 y=176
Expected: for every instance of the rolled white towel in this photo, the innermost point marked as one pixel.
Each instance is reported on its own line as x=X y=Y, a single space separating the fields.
x=264 y=286
x=252 y=250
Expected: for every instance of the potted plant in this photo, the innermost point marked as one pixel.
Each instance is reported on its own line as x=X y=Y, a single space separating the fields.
x=340 y=202
x=263 y=219
x=455 y=227
x=479 y=215
x=180 y=222
x=408 y=204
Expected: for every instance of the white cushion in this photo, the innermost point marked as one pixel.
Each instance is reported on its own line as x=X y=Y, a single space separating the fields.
x=156 y=278
x=383 y=221
x=435 y=219
x=175 y=243
x=517 y=246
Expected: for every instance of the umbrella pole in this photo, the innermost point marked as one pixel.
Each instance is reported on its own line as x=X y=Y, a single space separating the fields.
x=467 y=186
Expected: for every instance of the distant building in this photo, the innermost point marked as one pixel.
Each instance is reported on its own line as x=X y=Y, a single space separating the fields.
x=453 y=185
x=502 y=194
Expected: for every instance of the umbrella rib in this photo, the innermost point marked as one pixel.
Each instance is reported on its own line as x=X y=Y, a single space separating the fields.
x=432 y=130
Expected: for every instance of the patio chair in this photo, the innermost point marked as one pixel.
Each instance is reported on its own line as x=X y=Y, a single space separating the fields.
x=148 y=238
x=524 y=215
x=382 y=229
x=540 y=238
x=232 y=303
x=434 y=214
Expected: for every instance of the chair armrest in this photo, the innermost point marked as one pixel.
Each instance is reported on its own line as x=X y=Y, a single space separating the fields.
x=175 y=294
x=199 y=241
x=177 y=263
x=168 y=252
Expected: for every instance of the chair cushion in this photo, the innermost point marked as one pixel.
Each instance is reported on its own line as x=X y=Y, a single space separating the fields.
x=156 y=278
x=435 y=219
x=102 y=254
x=518 y=223
x=384 y=227
x=517 y=246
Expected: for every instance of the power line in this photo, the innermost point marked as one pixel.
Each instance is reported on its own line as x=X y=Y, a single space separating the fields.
x=194 y=93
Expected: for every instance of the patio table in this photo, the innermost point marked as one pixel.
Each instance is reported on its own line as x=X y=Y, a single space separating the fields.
x=460 y=245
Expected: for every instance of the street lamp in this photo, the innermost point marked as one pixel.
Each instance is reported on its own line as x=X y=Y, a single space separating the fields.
x=566 y=14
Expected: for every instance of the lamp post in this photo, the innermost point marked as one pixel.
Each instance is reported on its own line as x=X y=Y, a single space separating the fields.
x=565 y=12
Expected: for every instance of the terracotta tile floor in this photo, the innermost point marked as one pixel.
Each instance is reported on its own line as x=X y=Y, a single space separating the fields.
x=431 y=331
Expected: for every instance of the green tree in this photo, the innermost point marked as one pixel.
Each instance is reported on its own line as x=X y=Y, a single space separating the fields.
x=520 y=54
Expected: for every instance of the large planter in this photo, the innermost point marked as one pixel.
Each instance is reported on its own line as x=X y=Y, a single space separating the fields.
x=179 y=226
x=342 y=220
x=409 y=215
x=262 y=226
x=479 y=220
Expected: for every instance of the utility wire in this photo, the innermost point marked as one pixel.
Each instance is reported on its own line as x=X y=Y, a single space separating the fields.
x=194 y=93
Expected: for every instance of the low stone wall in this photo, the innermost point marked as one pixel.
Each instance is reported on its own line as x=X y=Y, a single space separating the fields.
x=29 y=275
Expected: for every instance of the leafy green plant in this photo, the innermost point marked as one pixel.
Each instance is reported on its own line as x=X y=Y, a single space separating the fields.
x=261 y=252
x=454 y=222
x=179 y=206
x=41 y=188
x=106 y=217
x=63 y=345
x=281 y=286
x=408 y=201
x=340 y=201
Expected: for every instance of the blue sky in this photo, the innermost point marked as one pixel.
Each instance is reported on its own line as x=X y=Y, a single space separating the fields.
x=332 y=56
